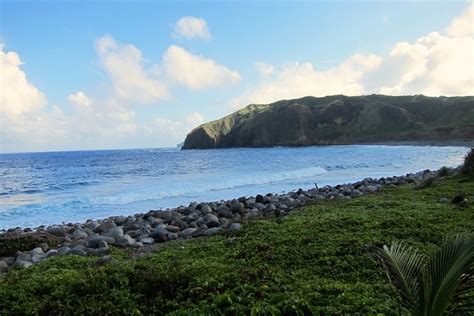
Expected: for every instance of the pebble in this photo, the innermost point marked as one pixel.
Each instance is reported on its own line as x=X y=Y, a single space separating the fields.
x=444 y=200
x=3 y=266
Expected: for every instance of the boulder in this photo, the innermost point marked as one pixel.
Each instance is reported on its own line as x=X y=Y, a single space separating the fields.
x=259 y=199
x=125 y=241
x=79 y=234
x=104 y=226
x=94 y=241
x=186 y=233
x=212 y=231
x=21 y=256
x=147 y=241
x=205 y=209
x=225 y=213
x=57 y=230
x=51 y=253
x=22 y=264
x=211 y=220
x=160 y=234
x=236 y=206
x=444 y=200
x=3 y=266
x=78 y=251
x=234 y=226
x=115 y=232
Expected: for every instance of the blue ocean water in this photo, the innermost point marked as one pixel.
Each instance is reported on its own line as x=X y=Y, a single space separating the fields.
x=55 y=187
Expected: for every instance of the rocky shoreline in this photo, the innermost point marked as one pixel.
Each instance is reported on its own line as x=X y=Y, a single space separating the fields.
x=142 y=231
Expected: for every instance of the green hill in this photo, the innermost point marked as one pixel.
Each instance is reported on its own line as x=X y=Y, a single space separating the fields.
x=341 y=120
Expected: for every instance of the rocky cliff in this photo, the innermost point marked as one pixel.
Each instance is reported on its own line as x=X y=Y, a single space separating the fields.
x=340 y=120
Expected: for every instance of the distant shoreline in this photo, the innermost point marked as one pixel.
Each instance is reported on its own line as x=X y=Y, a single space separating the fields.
x=450 y=143
x=455 y=143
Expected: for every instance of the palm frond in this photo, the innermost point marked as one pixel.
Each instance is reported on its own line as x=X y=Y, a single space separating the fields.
x=403 y=266
x=448 y=273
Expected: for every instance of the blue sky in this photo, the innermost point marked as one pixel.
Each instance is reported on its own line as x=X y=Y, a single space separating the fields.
x=227 y=54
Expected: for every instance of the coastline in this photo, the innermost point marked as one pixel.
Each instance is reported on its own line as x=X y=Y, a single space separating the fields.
x=421 y=143
x=143 y=230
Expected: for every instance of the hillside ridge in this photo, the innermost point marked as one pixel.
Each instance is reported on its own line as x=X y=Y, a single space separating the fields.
x=340 y=119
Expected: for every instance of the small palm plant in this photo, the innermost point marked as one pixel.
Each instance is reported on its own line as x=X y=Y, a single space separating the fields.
x=435 y=285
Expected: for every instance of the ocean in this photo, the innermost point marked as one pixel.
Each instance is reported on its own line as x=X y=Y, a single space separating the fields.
x=54 y=187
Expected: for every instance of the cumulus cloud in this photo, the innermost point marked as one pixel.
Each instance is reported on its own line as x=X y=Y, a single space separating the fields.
x=196 y=72
x=296 y=79
x=433 y=65
x=124 y=65
x=18 y=95
x=29 y=123
x=194 y=119
x=191 y=27
x=264 y=69
x=463 y=25
x=171 y=132
x=439 y=63
x=80 y=99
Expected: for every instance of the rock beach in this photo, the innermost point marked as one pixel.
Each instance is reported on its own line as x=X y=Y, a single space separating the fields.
x=139 y=231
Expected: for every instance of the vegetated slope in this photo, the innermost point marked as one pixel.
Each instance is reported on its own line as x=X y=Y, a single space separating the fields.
x=314 y=261
x=340 y=120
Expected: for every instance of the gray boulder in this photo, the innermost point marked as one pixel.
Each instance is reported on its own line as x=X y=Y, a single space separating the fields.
x=236 y=206
x=211 y=220
x=116 y=233
x=160 y=234
x=185 y=233
x=94 y=241
x=3 y=266
x=57 y=230
x=22 y=264
x=147 y=241
x=21 y=256
x=212 y=231
x=234 y=226
x=125 y=241
x=51 y=253
x=225 y=213
x=444 y=200
x=205 y=209
x=78 y=251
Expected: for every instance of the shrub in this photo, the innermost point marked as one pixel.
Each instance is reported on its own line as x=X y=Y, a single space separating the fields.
x=425 y=183
x=443 y=172
x=468 y=167
x=431 y=285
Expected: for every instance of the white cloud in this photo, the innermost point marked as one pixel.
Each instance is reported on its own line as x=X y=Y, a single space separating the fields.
x=435 y=64
x=196 y=72
x=190 y=27
x=264 y=69
x=18 y=96
x=125 y=66
x=463 y=25
x=80 y=99
x=28 y=123
x=194 y=119
x=171 y=132
x=296 y=79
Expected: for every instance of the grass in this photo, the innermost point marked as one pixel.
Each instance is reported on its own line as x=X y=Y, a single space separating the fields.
x=312 y=261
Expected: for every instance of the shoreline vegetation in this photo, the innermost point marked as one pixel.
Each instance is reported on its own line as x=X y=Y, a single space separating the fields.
x=300 y=253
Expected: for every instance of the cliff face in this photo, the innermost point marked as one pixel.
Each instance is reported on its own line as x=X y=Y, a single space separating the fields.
x=340 y=120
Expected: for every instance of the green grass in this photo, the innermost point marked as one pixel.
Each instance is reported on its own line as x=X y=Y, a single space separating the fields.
x=313 y=261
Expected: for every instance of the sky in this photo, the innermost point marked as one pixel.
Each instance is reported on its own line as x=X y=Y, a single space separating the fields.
x=80 y=75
